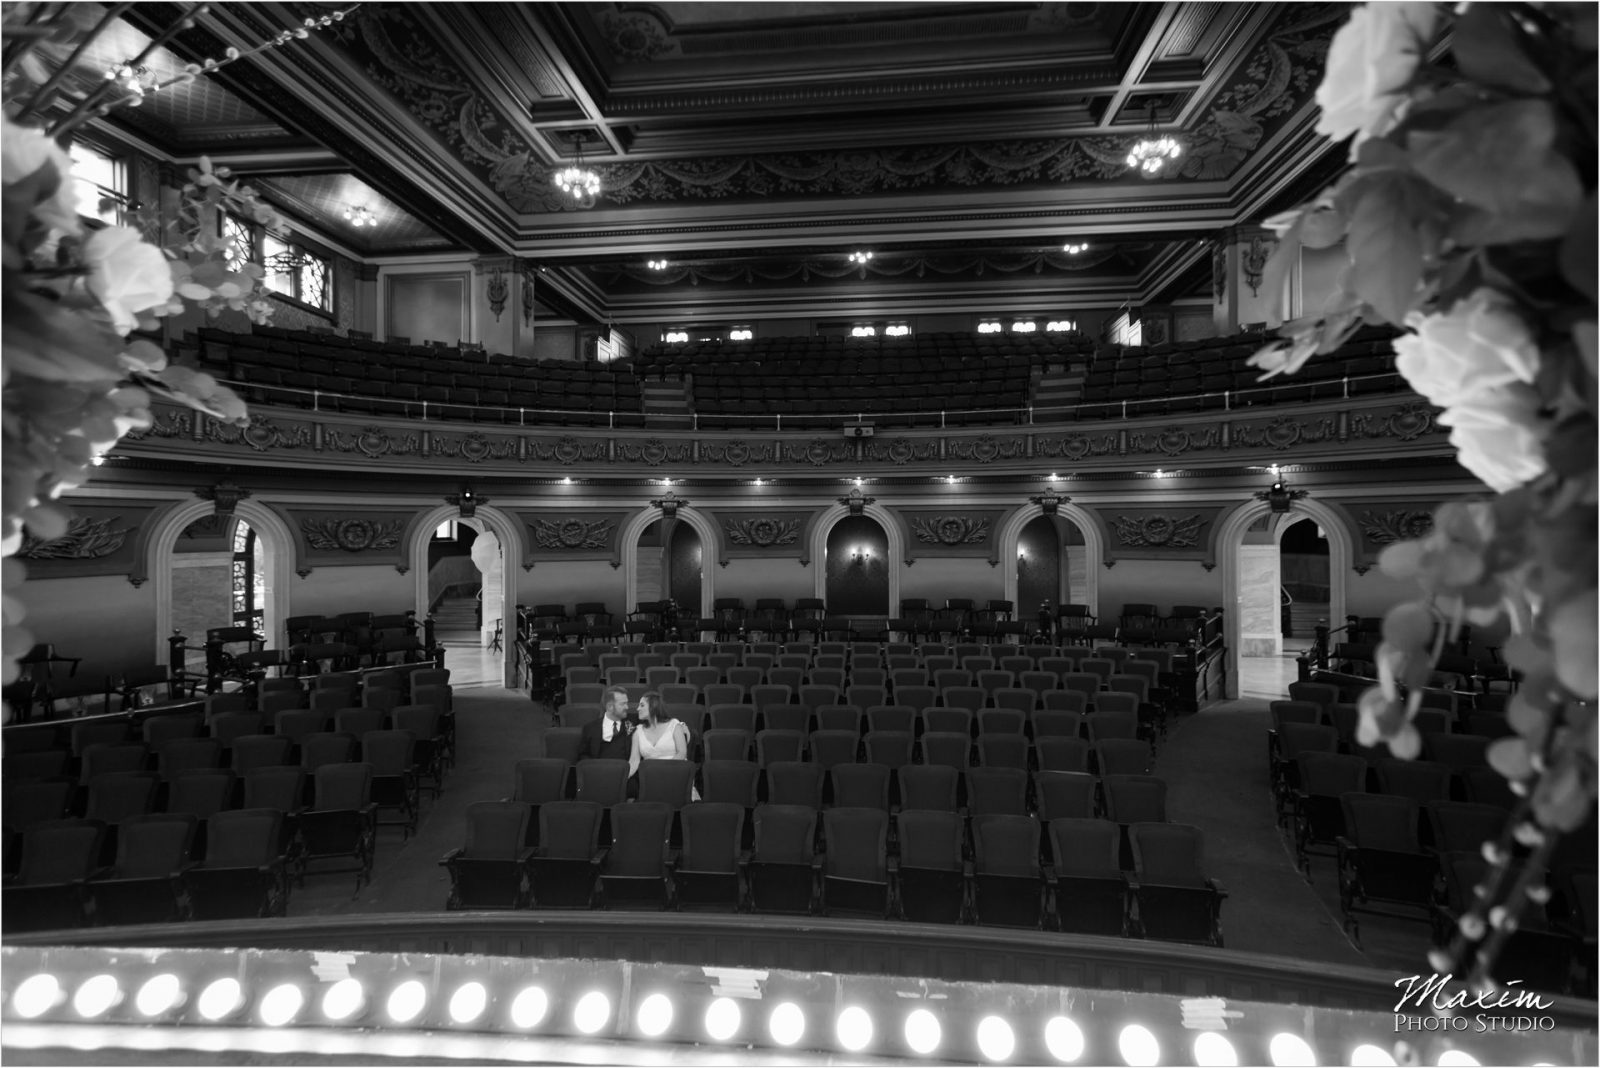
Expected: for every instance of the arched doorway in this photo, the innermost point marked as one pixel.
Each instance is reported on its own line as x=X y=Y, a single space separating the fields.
x=1246 y=549
x=669 y=563
x=857 y=568
x=446 y=550
x=1052 y=565
x=243 y=560
x=1303 y=575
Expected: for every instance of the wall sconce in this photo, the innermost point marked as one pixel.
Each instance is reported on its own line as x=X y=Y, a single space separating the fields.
x=466 y=502
x=862 y=555
x=1279 y=497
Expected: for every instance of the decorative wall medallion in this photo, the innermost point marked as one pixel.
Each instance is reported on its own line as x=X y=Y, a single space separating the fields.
x=474 y=447
x=1159 y=531
x=1170 y=441
x=762 y=532
x=1284 y=433
x=351 y=535
x=986 y=448
x=497 y=292
x=900 y=450
x=85 y=539
x=951 y=530
x=263 y=434
x=818 y=451
x=372 y=442
x=1382 y=528
x=572 y=533
x=734 y=454
x=1253 y=261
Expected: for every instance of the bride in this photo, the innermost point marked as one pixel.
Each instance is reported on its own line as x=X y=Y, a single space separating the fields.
x=657 y=738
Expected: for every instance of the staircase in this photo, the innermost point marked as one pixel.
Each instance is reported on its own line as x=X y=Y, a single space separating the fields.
x=1057 y=388
x=666 y=404
x=1304 y=617
x=455 y=620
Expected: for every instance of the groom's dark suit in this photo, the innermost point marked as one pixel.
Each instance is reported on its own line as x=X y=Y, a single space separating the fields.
x=592 y=742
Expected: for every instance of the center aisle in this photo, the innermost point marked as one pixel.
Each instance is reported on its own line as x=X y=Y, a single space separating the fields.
x=1215 y=767
x=495 y=728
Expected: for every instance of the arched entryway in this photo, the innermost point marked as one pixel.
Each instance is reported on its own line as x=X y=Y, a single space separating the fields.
x=493 y=545
x=820 y=538
x=1250 y=594
x=856 y=568
x=704 y=535
x=669 y=563
x=254 y=537
x=1026 y=539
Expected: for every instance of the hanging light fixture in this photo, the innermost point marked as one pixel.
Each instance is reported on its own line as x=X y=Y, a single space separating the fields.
x=861 y=257
x=1151 y=154
x=1073 y=248
x=359 y=215
x=577 y=181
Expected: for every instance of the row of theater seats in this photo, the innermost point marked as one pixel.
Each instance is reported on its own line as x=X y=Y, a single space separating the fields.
x=1409 y=835
x=836 y=355
x=324 y=777
x=432 y=384
x=837 y=862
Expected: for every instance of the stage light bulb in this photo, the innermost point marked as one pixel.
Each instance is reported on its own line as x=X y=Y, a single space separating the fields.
x=1289 y=1049
x=407 y=1000
x=343 y=1000
x=854 y=1029
x=787 y=1024
x=158 y=994
x=1213 y=1049
x=95 y=996
x=1063 y=1038
x=995 y=1039
x=722 y=1019
x=36 y=996
x=281 y=1005
x=1138 y=1046
x=1367 y=1055
x=529 y=1007
x=1457 y=1058
x=593 y=1010
x=923 y=1033
x=468 y=1003
x=655 y=1015
x=220 y=999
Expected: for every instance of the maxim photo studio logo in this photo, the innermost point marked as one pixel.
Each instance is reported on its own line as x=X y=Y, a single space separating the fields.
x=1429 y=1005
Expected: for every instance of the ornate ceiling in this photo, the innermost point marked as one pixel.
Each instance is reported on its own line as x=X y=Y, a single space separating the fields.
x=754 y=145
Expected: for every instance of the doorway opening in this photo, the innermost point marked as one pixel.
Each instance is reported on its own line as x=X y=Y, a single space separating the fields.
x=669 y=564
x=857 y=582
x=466 y=580
x=219 y=579
x=1304 y=576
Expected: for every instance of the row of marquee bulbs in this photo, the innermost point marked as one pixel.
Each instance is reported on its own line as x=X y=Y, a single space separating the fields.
x=854 y=1026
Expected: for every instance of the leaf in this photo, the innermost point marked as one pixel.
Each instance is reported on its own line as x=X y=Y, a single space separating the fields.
x=1283 y=257
x=1578 y=250
x=1485 y=45
x=1385 y=249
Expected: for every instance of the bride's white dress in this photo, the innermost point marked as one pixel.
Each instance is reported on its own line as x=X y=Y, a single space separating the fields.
x=664 y=748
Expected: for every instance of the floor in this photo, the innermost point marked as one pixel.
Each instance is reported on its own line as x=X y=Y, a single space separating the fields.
x=1214 y=763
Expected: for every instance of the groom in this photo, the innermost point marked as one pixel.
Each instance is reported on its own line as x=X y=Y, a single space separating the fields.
x=611 y=736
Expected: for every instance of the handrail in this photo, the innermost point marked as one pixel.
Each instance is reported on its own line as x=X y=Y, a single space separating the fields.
x=1025 y=414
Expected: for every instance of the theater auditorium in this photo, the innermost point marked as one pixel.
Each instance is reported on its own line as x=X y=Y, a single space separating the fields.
x=851 y=403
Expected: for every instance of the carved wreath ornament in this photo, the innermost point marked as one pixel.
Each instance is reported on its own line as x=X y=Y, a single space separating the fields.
x=85 y=539
x=351 y=535
x=1159 y=531
x=572 y=533
x=1382 y=528
x=762 y=532
x=951 y=530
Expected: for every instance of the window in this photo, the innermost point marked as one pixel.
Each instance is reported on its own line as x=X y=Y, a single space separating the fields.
x=292 y=270
x=897 y=330
x=446 y=531
x=989 y=327
x=100 y=182
x=673 y=337
x=1024 y=326
x=863 y=331
x=1056 y=326
x=249 y=577
x=741 y=333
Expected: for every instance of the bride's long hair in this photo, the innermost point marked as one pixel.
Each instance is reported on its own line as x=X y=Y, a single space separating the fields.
x=650 y=708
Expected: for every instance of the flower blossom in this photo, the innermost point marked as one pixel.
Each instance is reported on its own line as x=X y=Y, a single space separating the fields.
x=126 y=275
x=1370 y=64
x=25 y=149
x=1481 y=343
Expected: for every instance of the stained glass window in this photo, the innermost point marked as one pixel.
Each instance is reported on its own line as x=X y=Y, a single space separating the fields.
x=100 y=182
x=241 y=241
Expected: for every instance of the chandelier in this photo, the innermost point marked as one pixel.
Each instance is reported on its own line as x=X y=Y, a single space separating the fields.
x=359 y=216
x=1151 y=154
x=1073 y=248
x=577 y=181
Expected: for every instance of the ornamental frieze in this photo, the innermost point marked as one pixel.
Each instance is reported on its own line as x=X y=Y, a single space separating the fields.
x=762 y=533
x=570 y=534
x=819 y=452
x=566 y=451
x=986 y=448
x=737 y=453
x=1406 y=423
x=1384 y=528
x=351 y=535
x=1076 y=446
x=1285 y=432
x=262 y=434
x=474 y=448
x=951 y=530
x=1158 y=530
x=372 y=442
x=655 y=452
x=1174 y=440
x=86 y=539
x=899 y=450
